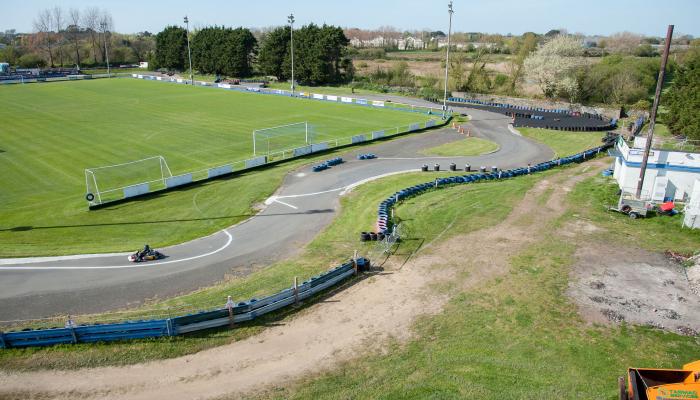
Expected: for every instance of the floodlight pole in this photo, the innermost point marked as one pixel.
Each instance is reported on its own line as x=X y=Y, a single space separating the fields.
x=450 y=10
x=654 y=108
x=103 y=25
x=290 y=19
x=189 y=52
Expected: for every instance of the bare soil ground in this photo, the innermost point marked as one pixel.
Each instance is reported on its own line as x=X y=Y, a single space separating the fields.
x=614 y=284
x=347 y=324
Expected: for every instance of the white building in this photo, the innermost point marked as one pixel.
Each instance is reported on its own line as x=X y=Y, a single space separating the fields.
x=670 y=174
x=410 y=43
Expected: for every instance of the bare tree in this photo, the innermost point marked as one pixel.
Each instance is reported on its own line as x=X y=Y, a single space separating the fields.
x=58 y=23
x=623 y=42
x=43 y=25
x=91 y=18
x=73 y=31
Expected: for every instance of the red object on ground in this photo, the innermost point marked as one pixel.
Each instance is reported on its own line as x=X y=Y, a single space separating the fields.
x=667 y=206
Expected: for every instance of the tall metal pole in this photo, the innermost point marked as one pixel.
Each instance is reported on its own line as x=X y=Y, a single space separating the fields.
x=654 y=108
x=290 y=19
x=447 y=61
x=189 y=52
x=104 y=37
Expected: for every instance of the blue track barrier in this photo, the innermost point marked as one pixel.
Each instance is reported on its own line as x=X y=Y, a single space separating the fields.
x=243 y=311
x=384 y=223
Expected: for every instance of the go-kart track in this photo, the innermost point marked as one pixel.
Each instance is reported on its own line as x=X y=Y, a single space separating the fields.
x=304 y=204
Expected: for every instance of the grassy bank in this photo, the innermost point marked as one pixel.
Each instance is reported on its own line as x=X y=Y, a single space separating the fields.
x=563 y=143
x=590 y=200
x=472 y=146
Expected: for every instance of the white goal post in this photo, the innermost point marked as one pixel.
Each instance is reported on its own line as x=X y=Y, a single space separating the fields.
x=283 y=137
x=109 y=182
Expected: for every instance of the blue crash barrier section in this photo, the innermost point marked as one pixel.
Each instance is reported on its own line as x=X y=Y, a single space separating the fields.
x=243 y=311
x=327 y=164
x=384 y=211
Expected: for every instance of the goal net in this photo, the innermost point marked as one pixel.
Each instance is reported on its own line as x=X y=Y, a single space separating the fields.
x=271 y=140
x=108 y=182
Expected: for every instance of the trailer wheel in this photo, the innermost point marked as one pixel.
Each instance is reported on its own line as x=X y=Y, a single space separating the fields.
x=634 y=215
x=626 y=208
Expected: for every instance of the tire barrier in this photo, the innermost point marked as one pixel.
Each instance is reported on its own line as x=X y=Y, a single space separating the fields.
x=368 y=156
x=327 y=164
x=227 y=316
x=384 y=210
x=556 y=119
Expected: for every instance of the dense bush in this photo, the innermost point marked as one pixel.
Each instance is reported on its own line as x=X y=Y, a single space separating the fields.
x=171 y=48
x=224 y=51
x=619 y=79
x=683 y=98
x=320 y=55
x=31 y=60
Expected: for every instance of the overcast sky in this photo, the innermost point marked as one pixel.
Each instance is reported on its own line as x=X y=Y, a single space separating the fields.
x=493 y=16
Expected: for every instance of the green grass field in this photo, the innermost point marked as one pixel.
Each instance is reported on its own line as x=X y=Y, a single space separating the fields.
x=466 y=147
x=563 y=143
x=52 y=132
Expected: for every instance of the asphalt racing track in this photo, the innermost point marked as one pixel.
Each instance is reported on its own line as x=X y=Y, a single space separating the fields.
x=305 y=204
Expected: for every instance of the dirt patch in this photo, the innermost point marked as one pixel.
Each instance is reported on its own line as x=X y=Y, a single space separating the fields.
x=614 y=284
x=348 y=324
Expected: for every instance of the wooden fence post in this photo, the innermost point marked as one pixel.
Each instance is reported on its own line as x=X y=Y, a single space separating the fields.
x=296 y=291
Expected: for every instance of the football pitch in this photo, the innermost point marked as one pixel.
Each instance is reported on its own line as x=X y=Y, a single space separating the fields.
x=49 y=133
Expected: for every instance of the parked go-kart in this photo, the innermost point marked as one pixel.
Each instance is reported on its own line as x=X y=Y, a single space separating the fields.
x=146 y=254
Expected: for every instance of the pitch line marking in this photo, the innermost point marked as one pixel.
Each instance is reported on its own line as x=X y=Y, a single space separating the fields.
x=26 y=268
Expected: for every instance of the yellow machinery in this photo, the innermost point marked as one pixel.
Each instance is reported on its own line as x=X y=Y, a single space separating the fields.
x=662 y=384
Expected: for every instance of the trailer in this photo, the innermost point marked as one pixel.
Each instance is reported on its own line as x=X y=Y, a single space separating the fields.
x=630 y=205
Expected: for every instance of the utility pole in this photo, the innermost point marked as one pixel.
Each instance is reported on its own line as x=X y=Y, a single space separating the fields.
x=654 y=108
x=189 y=52
x=447 y=61
x=103 y=25
x=290 y=19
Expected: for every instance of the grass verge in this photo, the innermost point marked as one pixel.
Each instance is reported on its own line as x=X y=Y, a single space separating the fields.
x=563 y=143
x=590 y=200
x=472 y=146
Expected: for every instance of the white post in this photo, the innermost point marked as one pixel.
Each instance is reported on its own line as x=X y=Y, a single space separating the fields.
x=189 y=52
x=99 y=198
x=254 y=144
x=306 y=125
x=291 y=35
x=447 y=61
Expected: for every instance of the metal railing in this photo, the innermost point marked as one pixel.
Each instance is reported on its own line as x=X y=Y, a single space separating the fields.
x=230 y=314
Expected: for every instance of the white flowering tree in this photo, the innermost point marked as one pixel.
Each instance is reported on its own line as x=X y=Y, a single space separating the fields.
x=552 y=66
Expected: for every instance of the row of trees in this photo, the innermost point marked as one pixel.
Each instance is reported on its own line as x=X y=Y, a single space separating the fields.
x=74 y=37
x=320 y=55
x=320 y=52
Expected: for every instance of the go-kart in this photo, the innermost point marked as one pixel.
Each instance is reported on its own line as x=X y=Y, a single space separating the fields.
x=147 y=255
